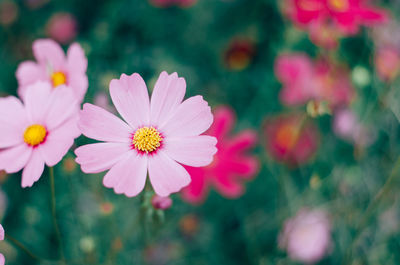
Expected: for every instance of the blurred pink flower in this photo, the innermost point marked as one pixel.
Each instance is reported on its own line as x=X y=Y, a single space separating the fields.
x=161 y=203
x=387 y=62
x=62 y=27
x=54 y=67
x=232 y=164
x=307 y=236
x=37 y=132
x=304 y=80
x=101 y=100
x=346 y=15
x=2 y=260
x=167 y=3
x=157 y=137
x=325 y=35
x=291 y=138
x=347 y=126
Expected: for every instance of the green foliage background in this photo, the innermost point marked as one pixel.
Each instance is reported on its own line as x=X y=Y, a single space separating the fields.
x=133 y=36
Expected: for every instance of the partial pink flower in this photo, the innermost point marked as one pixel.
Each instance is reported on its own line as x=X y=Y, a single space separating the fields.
x=2 y=260
x=156 y=136
x=307 y=236
x=232 y=164
x=346 y=15
x=291 y=138
x=37 y=132
x=304 y=80
x=55 y=68
x=62 y=27
x=168 y=3
x=161 y=203
x=387 y=62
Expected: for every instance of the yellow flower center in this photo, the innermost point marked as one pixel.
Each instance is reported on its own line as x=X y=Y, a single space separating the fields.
x=35 y=134
x=58 y=78
x=339 y=5
x=147 y=139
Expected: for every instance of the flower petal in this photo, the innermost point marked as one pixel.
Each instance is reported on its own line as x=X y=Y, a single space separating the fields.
x=168 y=93
x=28 y=73
x=33 y=169
x=49 y=53
x=95 y=158
x=224 y=118
x=62 y=105
x=196 y=191
x=1 y=232
x=166 y=175
x=101 y=125
x=37 y=101
x=79 y=84
x=58 y=142
x=191 y=118
x=13 y=120
x=195 y=151
x=131 y=98
x=128 y=176
x=15 y=158
x=76 y=59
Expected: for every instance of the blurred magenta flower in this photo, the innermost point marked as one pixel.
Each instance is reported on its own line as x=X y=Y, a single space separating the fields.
x=305 y=80
x=325 y=35
x=239 y=54
x=37 y=132
x=161 y=203
x=307 y=236
x=54 y=67
x=291 y=138
x=167 y=3
x=232 y=164
x=157 y=136
x=2 y=260
x=387 y=62
x=62 y=27
x=346 y=15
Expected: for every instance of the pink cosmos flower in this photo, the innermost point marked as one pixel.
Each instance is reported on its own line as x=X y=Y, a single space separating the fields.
x=62 y=27
x=157 y=136
x=2 y=260
x=304 y=80
x=231 y=166
x=307 y=236
x=291 y=139
x=37 y=132
x=54 y=67
x=346 y=15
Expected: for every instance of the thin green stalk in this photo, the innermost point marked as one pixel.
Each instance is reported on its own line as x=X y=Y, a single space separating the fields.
x=361 y=225
x=22 y=247
x=53 y=212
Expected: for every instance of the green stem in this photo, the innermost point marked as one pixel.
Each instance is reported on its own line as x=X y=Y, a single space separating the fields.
x=372 y=206
x=22 y=247
x=53 y=212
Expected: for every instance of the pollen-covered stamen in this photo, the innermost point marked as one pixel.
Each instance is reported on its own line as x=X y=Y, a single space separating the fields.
x=58 y=78
x=35 y=134
x=339 y=5
x=147 y=139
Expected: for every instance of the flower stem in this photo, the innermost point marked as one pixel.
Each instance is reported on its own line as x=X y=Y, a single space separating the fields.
x=361 y=225
x=22 y=247
x=53 y=212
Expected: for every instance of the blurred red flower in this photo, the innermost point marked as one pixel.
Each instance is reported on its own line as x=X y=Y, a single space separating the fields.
x=231 y=166
x=291 y=138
